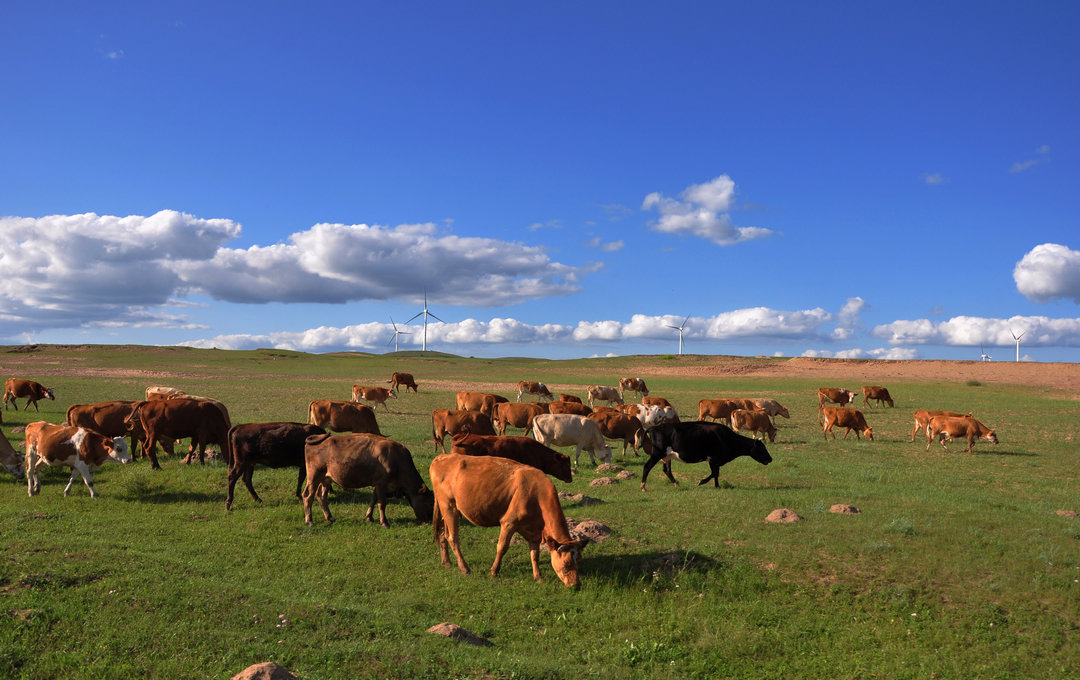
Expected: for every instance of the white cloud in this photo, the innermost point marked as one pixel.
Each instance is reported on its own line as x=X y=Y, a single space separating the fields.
x=935 y=178
x=881 y=353
x=1043 y=157
x=970 y=331
x=1049 y=272
x=702 y=212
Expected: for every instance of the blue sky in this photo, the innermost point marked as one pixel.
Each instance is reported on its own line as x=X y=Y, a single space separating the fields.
x=867 y=180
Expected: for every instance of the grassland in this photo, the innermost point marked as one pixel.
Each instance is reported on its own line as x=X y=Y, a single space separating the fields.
x=957 y=566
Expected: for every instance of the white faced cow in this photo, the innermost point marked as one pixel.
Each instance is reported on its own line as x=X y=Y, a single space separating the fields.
x=80 y=449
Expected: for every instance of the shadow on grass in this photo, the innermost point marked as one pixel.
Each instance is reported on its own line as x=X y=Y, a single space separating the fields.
x=631 y=569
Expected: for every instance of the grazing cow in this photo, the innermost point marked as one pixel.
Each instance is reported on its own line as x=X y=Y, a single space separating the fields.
x=571 y=430
x=160 y=392
x=17 y=388
x=849 y=419
x=696 y=441
x=948 y=428
x=648 y=415
x=521 y=449
x=568 y=397
x=13 y=462
x=718 y=409
x=110 y=419
x=177 y=418
x=601 y=393
x=354 y=461
x=877 y=393
x=483 y=402
x=668 y=415
x=275 y=445
x=517 y=415
x=634 y=385
x=922 y=419
x=379 y=395
x=569 y=407
x=770 y=406
x=78 y=448
x=491 y=491
x=655 y=401
x=834 y=395
x=530 y=387
x=342 y=416
x=402 y=380
x=446 y=422
x=617 y=425
x=753 y=421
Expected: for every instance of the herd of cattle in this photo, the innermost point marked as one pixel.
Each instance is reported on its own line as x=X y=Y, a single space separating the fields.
x=489 y=477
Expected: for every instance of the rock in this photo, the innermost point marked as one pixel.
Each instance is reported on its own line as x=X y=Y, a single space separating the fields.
x=456 y=632
x=596 y=532
x=264 y=671
x=782 y=515
x=608 y=468
x=842 y=509
x=624 y=475
x=603 y=481
x=1071 y=514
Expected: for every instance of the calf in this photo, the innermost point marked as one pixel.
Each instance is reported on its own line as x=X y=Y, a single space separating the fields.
x=770 y=406
x=521 y=449
x=877 y=393
x=849 y=419
x=342 y=416
x=110 y=418
x=922 y=419
x=358 y=460
x=446 y=422
x=633 y=385
x=718 y=409
x=948 y=428
x=33 y=392
x=621 y=426
x=601 y=393
x=13 y=462
x=402 y=380
x=834 y=395
x=696 y=441
x=530 y=387
x=78 y=448
x=491 y=491
x=274 y=444
x=483 y=402
x=753 y=421
x=568 y=397
x=571 y=430
x=517 y=415
x=379 y=395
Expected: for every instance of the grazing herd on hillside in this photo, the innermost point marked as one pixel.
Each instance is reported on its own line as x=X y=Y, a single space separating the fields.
x=489 y=477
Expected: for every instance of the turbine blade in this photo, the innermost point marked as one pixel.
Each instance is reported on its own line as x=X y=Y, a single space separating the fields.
x=416 y=315
x=435 y=317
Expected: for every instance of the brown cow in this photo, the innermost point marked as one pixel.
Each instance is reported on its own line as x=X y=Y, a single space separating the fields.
x=877 y=393
x=354 y=461
x=568 y=397
x=522 y=449
x=491 y=491
x=531 y=387
x=754 y=421
x=601 y=393
x=572 y=407
x=478 y=401
x=275 y=445
x=379 y=395
x=517 y=415
x=13 y=462
x=922 y=419
x=110 y=419
x=633 y=385
x=718 y=409
x=78 y=448
x=616 y=425
x=834 y=395
x=655 y=401
x=177 y=418
x=402 y=380
x=948 y=428
x=342 y=416
x=850 y=419
x=17 y=388
x=446 y=422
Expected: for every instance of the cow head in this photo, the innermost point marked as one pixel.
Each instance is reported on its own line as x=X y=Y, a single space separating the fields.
x=869 y=432
x=50 y=394
x=990 y=437
x=561 y=469
x=15 y=467
x=118 y=450
x=759 y=453
x=604 y=454
x=565 y=558
x=423 y=503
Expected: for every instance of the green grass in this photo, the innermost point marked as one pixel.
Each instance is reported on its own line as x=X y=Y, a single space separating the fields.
x=957 y=566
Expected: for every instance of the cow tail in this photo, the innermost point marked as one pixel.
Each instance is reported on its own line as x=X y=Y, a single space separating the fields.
x=311 y=413
x=232 y=445
x=437 y=521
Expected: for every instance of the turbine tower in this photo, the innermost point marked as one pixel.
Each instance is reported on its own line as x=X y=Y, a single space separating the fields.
x=680 y=329
x=426 y=314
x=397 y=332
x=985 y=356
x=1017 y=339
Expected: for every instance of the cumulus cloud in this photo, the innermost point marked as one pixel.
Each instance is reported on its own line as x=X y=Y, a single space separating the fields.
x=935 y=178
x=702 y=212
x=881 y=353
x=1049 y=272
x=970 y=331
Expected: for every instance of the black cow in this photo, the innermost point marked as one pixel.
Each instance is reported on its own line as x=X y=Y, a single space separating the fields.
x=695 y=441
x=274 y=445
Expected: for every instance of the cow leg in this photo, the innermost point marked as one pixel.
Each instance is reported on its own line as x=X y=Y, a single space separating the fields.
x=314 y=485
x=667 y=471
x=300 y=480
x=246 y=476
x=81 y=469
x=534 y=557
x=451 y=528
x=945 y=436
x=714 y=473
x=150 y=447
x=323 y=492
x=31 y=472
x=233 y=476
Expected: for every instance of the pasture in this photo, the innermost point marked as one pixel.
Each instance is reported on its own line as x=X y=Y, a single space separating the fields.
x=958 y=565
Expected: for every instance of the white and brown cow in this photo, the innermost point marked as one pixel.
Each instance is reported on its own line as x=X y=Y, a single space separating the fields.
x=633 y=385
x=552 y=429
x=603 y=393
x=78 y=448
x=834 y=395
x=10 y=458
x=536 y=388
x=376 y=395
x=17 y=388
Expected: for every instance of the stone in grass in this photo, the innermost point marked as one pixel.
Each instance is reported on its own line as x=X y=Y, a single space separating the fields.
x=589 y=529
x=843 y=509
x=603 y=481
x=1071 y=514
x=782 y=515
x=624 y=475
x=456 y=632
x=264 y=671
x=608 y=468
x=578 y=498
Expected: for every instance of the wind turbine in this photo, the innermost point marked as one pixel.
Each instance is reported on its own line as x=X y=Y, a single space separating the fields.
x=680 y=329
x=397 y=332
x=1017 y=339
x=426 y=314
x=985 y=356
